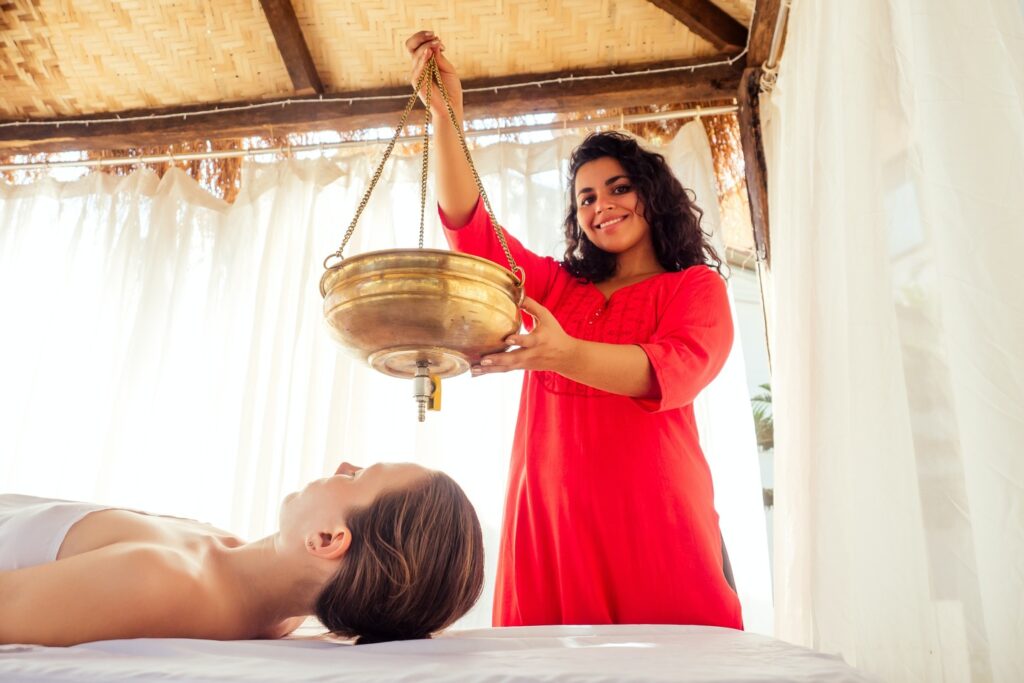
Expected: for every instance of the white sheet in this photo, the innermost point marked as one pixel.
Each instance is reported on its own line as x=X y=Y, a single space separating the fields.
x=557 y=654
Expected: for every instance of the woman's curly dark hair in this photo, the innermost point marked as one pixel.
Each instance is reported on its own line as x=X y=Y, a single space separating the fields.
x=679 y=241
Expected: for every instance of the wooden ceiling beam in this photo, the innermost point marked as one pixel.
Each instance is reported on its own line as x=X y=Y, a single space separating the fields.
x=308 y=114
x=707 y=20
x=292 y=46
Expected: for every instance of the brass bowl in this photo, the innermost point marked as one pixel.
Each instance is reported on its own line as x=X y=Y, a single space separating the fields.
x=399 y=307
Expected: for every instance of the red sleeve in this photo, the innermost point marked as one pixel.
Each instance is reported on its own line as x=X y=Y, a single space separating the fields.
x=691 y=340
x=478 y=239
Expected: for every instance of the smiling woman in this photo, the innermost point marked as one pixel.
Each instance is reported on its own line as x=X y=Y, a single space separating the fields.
x=611 y=172
x=610 y=514
x=608 y=211
x=390 y=552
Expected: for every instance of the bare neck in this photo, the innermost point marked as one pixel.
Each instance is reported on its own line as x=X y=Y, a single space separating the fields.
x=275 y=588
x=637 y=264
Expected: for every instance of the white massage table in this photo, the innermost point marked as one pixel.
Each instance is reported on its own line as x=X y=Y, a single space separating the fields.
x=557 y=654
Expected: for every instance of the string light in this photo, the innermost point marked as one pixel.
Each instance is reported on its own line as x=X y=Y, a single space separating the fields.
x=369 y=98
x=252 y=152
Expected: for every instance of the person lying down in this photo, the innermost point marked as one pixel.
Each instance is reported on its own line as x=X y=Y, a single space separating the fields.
x=389 y=552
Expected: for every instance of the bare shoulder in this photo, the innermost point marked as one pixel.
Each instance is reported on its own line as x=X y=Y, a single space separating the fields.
x=119 y=591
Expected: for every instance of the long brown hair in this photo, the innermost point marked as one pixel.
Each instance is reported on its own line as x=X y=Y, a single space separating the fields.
x=414 y=566
x=678 y=239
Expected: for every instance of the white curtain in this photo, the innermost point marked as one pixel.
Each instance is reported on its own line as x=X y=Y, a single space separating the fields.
x=896 y=167
x=165 y=351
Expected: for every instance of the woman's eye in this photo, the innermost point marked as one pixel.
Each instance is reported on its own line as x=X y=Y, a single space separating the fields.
x=622 y=189
x=586 y=201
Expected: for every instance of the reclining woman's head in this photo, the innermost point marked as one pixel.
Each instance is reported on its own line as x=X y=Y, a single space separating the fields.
x=408 y=550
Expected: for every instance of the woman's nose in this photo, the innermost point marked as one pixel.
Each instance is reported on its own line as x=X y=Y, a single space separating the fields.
x=346 y=468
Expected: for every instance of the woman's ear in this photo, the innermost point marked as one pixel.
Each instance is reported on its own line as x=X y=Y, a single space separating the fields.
x=329 y=546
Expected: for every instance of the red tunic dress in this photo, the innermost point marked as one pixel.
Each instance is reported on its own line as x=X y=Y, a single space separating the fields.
x=609 y=515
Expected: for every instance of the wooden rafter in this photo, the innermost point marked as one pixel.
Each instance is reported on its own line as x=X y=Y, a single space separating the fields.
x=490 y=99
x=292 y=46
x=707 y=20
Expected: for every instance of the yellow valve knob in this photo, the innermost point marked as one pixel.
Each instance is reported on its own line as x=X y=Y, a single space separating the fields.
x=435 y=394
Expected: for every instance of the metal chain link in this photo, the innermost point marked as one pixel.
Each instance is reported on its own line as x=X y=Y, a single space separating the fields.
x=376 y=176
x=518 y=273
x=429 y=74
x=426 y=157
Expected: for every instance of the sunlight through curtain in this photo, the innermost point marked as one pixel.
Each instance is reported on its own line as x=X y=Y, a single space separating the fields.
x=163 y=350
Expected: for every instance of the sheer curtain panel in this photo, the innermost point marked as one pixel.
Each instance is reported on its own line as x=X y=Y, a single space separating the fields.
x=896 y=161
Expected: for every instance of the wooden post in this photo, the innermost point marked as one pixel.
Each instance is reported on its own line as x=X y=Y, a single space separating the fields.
x=753 y=159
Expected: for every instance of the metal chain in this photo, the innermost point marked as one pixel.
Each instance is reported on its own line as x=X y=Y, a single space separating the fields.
x=430 y=73
x=376 y=176
x=426 y=156
x=517 y=272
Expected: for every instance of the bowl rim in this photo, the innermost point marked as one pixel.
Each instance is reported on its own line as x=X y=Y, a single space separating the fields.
x=356 y=259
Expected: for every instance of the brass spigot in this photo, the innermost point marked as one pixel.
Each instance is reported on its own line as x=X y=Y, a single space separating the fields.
x=426 y=390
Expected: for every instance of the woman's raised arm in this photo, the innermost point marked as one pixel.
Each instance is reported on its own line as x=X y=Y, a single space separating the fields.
x=457 y=192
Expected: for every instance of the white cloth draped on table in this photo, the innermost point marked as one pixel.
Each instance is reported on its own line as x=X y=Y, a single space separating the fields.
x=895 y=142
x=164 y=350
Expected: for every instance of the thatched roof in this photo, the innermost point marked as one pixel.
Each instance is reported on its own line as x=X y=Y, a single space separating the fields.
x=63 y=62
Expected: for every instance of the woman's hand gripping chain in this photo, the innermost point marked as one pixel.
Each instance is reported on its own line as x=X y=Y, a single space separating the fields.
x=421 y=46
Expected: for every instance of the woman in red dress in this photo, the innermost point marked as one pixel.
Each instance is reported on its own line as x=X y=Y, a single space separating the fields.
x=609 y=514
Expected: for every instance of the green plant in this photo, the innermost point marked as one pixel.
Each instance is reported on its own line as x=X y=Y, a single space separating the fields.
x=763 y=424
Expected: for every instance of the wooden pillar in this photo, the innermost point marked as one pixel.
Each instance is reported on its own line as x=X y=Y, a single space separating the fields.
x=753 y=159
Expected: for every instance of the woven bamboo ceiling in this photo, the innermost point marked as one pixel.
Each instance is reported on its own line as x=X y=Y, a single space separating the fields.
x=65 y=61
